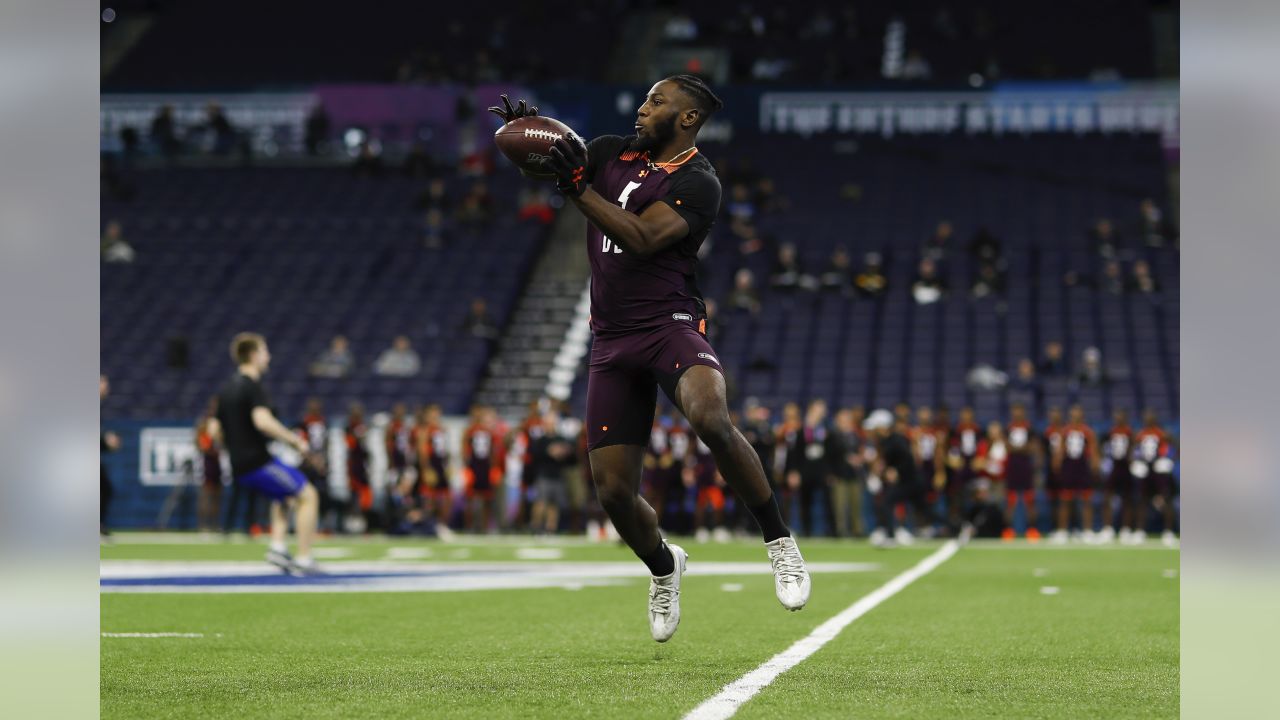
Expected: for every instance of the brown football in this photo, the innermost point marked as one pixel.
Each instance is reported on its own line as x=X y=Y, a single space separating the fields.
x=527 y=140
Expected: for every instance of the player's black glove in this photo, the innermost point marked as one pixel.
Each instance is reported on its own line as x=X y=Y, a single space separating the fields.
x=568 y=162
x=509 y=113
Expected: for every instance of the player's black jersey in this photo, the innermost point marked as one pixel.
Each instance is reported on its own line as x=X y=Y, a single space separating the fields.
x=629 y=292
x=246 y=445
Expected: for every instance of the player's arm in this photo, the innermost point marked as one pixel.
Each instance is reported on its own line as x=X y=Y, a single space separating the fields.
x=215 y=430
x=644 y=234
x=691 y=204
x=268 y=425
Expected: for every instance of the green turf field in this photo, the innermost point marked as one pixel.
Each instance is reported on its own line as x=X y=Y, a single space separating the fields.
x=977 y=637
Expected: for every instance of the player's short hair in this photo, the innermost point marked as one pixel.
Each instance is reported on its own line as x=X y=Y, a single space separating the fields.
x=244 y=345
x=696 y=88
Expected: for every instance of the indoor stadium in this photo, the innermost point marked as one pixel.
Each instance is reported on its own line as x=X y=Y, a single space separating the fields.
x=442 y=346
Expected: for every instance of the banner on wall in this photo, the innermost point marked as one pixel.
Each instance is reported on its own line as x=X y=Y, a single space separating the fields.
x=1020 y=110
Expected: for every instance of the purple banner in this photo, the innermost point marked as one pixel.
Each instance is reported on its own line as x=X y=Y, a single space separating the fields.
x=443 y=118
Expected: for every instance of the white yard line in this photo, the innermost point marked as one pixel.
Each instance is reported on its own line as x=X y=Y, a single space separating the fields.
x=154 y=635
x=725 y=703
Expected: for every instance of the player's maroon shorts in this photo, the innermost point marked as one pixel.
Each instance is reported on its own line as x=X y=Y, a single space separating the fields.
x=1018 y=474
x=1120 y=480
x=625 y=373
x=1075 y=478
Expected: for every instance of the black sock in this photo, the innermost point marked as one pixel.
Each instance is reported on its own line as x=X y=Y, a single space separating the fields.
x=770 y=519
x=659 y=560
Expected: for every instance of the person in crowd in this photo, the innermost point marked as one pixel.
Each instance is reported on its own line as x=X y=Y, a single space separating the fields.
x=368 y=162
x=838 y=275
x=435 y=229
x=1156 y=230
x=744 y=296
x=989 y=282
x=1025 y=388
x=929 y=440
x=1119 y=480
x=315 y=463
x=483 y=462
x=1105 y=240
x=760 y=435
x=356 y=437
x=108 y=442
x=478 y=323
x=844 y=454
x=336 y=362
x=936 y=247
x=1076 y=461
x=399 y=360
x=1052 y=362
x=809 y=479
x=1024 y=454
x=476 y=207
x=432 y=452
x=928 y=286
x=1113 y=281
x=897 y=469
x=787 y=272
x=916 y=67
x=549 y=452
x=871 y=281
x=316 y=131
x=710 y=500
x=963 y=449
x=740 y=207
x=1091 y=373
x=219 y=126
x=210 y=499
x=1153 y=467
x=164 y=132
x=1143 y=281
x=114 y=247
x=788 y=456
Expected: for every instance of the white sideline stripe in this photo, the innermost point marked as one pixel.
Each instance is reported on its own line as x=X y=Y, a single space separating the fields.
x=725 y=703
x=151 y=635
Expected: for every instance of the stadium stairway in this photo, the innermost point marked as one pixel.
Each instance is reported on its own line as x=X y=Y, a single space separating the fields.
x=525 y=357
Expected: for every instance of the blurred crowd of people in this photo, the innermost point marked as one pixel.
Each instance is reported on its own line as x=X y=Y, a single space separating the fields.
x=888 y=475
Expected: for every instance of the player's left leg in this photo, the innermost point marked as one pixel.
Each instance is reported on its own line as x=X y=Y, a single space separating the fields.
x=701 y=395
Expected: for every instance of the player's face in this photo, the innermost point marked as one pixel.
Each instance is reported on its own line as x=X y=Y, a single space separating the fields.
x=263 y=358
x=1077 y=415
x=657 y=118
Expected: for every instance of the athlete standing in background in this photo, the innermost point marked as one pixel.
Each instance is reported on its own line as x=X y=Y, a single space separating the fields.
x=245 y=423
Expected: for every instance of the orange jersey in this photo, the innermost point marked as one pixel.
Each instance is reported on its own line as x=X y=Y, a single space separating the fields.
x=926 y=440
x=994 y=455
x=1119 y=442
x=1151 y=444
x=1078 y=442
x=1020 y=437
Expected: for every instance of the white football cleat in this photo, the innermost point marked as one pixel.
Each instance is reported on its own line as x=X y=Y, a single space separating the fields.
x=1107 y=535
x=702 y=535
x=790 y=579
x=721 y=535
x=903 y=536
x=879 y=538
x=664 y=598
x=1169 y=539
x=1059 y=537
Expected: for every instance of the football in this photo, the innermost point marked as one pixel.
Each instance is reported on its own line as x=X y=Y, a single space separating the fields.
x=527 y=140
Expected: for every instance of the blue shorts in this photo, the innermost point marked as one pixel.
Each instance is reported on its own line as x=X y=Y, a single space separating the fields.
x=275 y=480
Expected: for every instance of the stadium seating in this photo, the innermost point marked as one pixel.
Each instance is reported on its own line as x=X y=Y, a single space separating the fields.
x=1038 y=195
x=301 y=256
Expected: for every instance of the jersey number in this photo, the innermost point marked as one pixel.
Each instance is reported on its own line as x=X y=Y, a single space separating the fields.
x=622 y=200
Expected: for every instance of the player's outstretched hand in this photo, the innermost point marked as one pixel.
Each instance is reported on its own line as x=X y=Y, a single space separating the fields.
x=568 y=162
x=508 y=113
